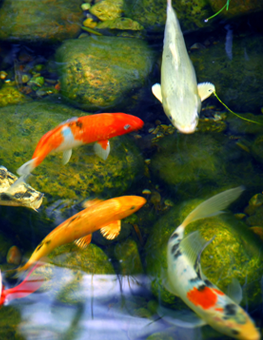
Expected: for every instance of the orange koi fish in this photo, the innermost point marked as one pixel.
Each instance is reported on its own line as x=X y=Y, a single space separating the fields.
x=98 y=128
x=103 y=215
x=186 y=280
x=26 y=287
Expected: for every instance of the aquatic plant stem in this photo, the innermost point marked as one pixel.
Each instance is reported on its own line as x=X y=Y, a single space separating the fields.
x=248 y=120
x=226 y=6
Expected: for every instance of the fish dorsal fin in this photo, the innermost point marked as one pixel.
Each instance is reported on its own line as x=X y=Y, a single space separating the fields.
x=66 y=156
x=84 y=241
x=157 y=92
x=102 y=149
x=192 y=246
x=205 y=90
x=111 y=230
x=89 y=203
x=234 y=291
x=213 y=205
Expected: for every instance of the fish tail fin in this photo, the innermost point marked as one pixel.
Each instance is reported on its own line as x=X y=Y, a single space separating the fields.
x=214 y=205
x=14 y=186
x=27 y=168
x=29 y=285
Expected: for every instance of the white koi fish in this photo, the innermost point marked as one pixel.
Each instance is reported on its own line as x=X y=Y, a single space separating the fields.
x=186 y=280
x=178 y=92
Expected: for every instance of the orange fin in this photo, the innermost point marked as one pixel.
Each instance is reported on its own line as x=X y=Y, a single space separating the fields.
x=89 y=203
x=112 y=230
x=102 y=149
x=84 y=241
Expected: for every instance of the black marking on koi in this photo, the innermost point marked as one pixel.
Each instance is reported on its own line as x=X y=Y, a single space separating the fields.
x=195 y=279
x=175 y=248
x=208 y=283
x=177 y=254
x=174 y=235
x=201 y=288
x=39 y=246
x=230 y=309
x=79 y=124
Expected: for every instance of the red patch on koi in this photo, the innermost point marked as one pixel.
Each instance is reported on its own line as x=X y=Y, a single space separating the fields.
x=218 y=291
x=204 y=298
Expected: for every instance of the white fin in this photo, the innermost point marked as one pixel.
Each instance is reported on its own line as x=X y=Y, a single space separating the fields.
x=192 y=246
x=180 y=318
x=102 y=149
x=112 y=230
x=234 y=291
x=66 y=156
x=83 y=242
x=157 y=92
x=26 y=168
x=213 y=205
x=13 y=188
x=205 y=90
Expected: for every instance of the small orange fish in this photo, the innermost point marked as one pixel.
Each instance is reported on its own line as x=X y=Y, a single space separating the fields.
x=103 y=215
x=26 y=287
x=98 y=128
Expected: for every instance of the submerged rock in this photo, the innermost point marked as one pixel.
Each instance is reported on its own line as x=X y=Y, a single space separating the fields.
x=40 y=20
x=230 y=64
x=235 y=252
x=197 y=163
x=23 y=195
x=236 y=8
x=103 y=72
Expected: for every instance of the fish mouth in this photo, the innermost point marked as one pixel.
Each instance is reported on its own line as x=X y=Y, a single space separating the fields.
x=187 y=129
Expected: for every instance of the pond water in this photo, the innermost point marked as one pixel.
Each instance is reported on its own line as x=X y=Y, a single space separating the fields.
x=62 y=62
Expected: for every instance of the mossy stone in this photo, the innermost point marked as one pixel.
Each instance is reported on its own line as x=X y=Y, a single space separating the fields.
x=107 y=9
x=46 y=20
x=103 y=72
x=235 y=252
x=9 y=95
x=236 y=8
x=229 y=73
x=201 y=162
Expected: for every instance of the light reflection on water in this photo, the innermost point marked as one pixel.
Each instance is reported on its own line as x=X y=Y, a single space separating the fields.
x=105 y=309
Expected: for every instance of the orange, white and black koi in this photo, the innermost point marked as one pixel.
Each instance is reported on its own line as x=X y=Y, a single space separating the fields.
x=98 y=128
x=28 y=286
x=186 y=280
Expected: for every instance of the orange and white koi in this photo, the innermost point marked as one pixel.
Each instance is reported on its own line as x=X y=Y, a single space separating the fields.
x=28 y=286
x=186 y=280
x=98 y=128
x=103 y=215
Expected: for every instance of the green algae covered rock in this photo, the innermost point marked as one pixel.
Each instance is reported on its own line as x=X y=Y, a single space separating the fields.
x=85 y=176
x=107 y=9
x=201 y=162
x=230 y=72
x=103 y=72
x=235 y=252
x=152 y=13
x=9 y=95
x=40 y=20
x=120 y=24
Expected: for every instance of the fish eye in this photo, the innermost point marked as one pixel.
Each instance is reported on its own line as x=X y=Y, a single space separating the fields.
x=126 y=127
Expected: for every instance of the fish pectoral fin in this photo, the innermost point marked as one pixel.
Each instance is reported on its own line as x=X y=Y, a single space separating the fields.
x=192 y=246
x=66 y=156
x=205 y=90
x=88 y=203
x=112 y=230
x=234 y=291
x=102 y=149
x=180 y=318
x=84 y=241
x=157 y=92
x=167 y=285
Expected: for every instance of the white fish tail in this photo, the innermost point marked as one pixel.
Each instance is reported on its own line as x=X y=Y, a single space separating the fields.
x=214 y=205
x=26 y=168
